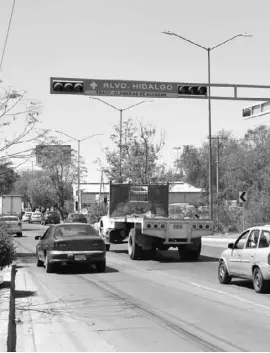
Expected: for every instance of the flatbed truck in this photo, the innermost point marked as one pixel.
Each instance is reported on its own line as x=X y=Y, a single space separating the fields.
x=140 y=213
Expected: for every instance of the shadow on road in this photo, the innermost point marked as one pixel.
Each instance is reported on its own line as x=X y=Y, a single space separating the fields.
x=5 y=285
x=24 y=293
x=25 y=254
x=75 y=270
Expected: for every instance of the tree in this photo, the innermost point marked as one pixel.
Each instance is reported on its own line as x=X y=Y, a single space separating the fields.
x=7 y=178
x=140 y=153
x=22 y=114
x=60 y=173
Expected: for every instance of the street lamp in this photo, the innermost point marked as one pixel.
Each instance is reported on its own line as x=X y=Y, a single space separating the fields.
x=121 y=120
x=209 y=102
x=79 y=169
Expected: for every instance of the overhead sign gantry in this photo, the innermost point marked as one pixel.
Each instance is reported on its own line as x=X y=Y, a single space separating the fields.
x=154 y=89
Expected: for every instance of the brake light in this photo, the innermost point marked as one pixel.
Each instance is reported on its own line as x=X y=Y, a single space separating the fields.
x=60 y=245
x=268 y=259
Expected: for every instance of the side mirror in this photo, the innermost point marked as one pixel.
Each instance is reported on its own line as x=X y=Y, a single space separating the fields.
x=37 y=237
x=230 y=245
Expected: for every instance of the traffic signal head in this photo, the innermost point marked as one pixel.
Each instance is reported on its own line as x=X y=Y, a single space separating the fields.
x=192 y=90
x=66 y=86
x=246 y=112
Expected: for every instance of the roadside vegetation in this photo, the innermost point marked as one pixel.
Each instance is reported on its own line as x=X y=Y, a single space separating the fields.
x=7 y=247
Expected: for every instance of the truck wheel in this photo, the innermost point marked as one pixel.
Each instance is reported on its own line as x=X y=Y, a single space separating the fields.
x=19 y=234
x=134 y=250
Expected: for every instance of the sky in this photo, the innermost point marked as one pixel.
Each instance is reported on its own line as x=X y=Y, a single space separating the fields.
x=122 y=39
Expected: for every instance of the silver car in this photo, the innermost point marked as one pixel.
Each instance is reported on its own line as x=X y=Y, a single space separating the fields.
x=248 y=258
x=14 y=224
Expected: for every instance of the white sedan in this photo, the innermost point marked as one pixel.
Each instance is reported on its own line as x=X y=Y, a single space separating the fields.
x=26 y=217
x=14 y=224
x=248 y=258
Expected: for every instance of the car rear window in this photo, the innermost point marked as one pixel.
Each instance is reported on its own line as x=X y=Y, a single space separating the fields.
x=9 y=219
x=78 y=216
x=74 y=230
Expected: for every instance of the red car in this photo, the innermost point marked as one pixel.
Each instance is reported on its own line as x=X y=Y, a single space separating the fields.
x=70 y=243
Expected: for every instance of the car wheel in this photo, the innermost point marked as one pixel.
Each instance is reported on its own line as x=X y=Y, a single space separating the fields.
x=19 y=234
x=223 y=275
x=48 y=266
x=107 y=247
x=101 y=266
x=39 y=262
x=259 y=283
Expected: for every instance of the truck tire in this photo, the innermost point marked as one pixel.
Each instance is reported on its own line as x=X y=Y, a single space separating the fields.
x=187 y=254
x=134 y=250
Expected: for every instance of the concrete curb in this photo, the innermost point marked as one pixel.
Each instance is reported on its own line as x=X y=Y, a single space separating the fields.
x=11 y=335
x=5 y=317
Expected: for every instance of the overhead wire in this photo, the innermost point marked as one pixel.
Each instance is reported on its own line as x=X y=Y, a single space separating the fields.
x=8 y=30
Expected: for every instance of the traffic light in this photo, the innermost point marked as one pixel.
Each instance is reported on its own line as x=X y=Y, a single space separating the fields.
x=246 y=112
x=66 y=86
x=192 y=90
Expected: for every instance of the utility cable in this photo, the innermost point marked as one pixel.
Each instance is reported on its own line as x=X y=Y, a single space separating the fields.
x=10 y=19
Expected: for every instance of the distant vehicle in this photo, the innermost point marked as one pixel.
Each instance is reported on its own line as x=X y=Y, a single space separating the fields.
x=36 y=217
x=248 y=258
x=51 y=217
x=26 y=217
x=14 y=224
x=76 y=217
x=10 y=205
x=70 y=244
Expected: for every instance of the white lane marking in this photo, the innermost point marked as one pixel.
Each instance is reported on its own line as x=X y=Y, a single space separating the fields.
x=230 y=295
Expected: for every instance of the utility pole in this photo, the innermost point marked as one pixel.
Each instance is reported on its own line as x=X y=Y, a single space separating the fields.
x=218 y=138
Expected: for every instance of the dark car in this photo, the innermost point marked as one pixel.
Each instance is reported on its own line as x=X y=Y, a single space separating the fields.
x=76 y=217
x=51 y=217
x=70 y=244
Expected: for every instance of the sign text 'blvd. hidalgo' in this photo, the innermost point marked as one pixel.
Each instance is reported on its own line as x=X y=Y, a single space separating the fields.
x=121 y=88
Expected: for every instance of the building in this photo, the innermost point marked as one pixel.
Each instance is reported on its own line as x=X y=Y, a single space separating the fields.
x=180 y=192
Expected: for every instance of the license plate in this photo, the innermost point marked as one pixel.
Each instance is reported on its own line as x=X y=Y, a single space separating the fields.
x=79 y=257
x=177 y=226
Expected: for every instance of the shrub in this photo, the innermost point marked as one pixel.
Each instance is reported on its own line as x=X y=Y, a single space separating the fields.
x=7 y=247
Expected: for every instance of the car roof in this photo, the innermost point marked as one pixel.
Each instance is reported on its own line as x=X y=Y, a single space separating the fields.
x=260 y=227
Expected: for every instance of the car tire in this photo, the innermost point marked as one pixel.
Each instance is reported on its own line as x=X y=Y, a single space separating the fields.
x=134 y=250
x=259 y=283
x=108 y=247
x=48 y=266
x=19 y=234
x=101 y=266
x=223 y=274
x=39 y=262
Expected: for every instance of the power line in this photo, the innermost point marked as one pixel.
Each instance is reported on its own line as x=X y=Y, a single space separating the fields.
x=10 y=19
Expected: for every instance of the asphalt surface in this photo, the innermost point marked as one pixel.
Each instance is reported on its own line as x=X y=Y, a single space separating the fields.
x=148 y=305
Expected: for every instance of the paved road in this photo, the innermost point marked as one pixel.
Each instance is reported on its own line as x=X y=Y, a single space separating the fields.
x=161 y=305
